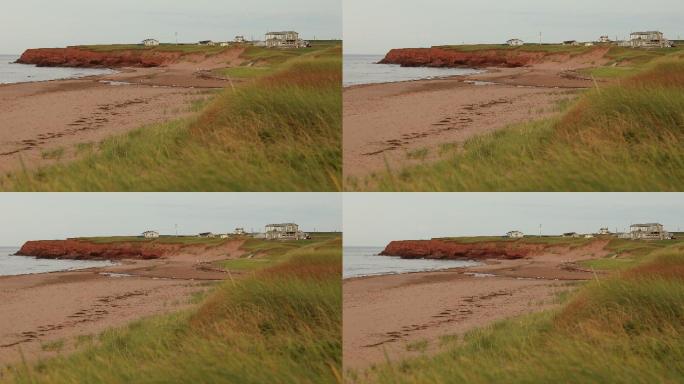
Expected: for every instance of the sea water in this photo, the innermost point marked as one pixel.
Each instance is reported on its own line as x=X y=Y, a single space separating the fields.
x=21 y=73
x=25 y=265
x=364 y=261
x=362 y=69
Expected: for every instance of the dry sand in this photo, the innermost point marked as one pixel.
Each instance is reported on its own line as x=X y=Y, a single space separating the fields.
x=39 y=120
x=384 y=314
x=36 y=310
x=384 y=123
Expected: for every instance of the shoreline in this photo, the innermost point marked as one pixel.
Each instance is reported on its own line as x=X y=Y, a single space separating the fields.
x=385 y=315
x=65 y=306
x=399 y=124
x=56 y=121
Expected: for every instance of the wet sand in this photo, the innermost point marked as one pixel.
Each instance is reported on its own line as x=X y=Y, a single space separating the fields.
x=60 y=306
x=385 y=123
x=384 y=314
x=44 y=122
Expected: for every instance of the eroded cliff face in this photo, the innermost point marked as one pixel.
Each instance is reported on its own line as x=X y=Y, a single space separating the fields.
x=439 y=57
x=84 y=250
x=442 y=249
x=80 y=57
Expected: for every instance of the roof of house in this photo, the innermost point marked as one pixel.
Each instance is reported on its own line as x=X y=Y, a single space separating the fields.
x=280 y=33
x=280 y=225
x=645 y=33
x=150 y=232
x=645 y=225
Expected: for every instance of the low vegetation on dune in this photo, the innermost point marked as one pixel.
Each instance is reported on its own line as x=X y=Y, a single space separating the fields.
x=278 y=132
x=626 y=328
x=281 y=324
x=622 y=137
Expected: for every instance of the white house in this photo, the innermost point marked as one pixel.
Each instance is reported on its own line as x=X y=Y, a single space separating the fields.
x=150 y=234
x=286 y=231
x=240 y=231
x=588 y=236
x=285 y=39
x=604 y=39
x=239 y=39
x=206 y=42
x=649 y=39
x=648 y=231
x=515 y=235
x=224 y=236
x=571 y=42
x=571 y=234
x=224 y=44
x=588 y=44
x=206 y=234
x=150 y=42
x=604 y=231
x=515 y=42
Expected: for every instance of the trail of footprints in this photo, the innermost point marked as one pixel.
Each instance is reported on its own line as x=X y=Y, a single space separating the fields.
x=449 y=123
x=460 y=313
x=95 y=121
x=94 y=313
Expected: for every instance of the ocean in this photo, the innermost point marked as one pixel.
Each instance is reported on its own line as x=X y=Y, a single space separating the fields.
x=22 y=73
x=361 y=69
x=364 y=261
x=25 y=265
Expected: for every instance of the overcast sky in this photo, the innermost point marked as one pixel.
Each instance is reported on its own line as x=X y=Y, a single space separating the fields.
x=50 y=23
x=41 y=216
x=375 y=26
x=374 y=219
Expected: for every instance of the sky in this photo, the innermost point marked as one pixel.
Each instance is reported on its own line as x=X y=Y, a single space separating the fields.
x=49 y=23
x=50 y=216
x=375 y=219
x=376 y=26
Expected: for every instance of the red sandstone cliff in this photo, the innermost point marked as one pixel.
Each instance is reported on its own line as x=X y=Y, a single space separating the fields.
x=440 y=57
x=84 y=250
x=81 y=57
x=442 y=249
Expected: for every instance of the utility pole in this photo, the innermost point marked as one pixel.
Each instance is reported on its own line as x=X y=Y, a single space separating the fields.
x=176 y=38
x=540 y=230
x=176 y=225
x=540 y=38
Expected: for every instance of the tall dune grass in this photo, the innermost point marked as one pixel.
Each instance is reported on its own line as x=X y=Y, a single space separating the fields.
x=282 y=325
x=281 y=132
x=623 y=329
x=626 y=137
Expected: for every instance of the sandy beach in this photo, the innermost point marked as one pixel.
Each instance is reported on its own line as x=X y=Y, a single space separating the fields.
x=385 y=123
x=36 y=310
x=42 y=118
x=385 y=314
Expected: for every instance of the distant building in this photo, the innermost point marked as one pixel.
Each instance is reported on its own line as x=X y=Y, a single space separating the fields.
x=285 y=39
x=571 y=234
x=150 y=42
x=649 y=39
x=648 y=231
x=287 y=231
x=515 y=235
x=604 y=39
x=150 y=234
x=515 y=42
x=588 y=236
x=224 y=44
x=206 y=42
x=206 y=234
x=571 y=42
x=604 y=231
x=588 y=44
x=239 y=39
x=224 y=236
x=240 y=231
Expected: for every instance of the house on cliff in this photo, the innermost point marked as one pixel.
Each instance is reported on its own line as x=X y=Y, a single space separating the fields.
x=649 y=39
x=515 y=42
x=287 y=231
x=207 y=42
x=285 y=39
x=649 y=231
x=515 y=235
x=150 y=234
x=239 y=232
x=571 y=234
x=150 y=42
x=206 y=234
x=571 y=42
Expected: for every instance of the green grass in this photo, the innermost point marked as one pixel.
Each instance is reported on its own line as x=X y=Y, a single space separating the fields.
x=189 y=240
x=53 y=154
x=244 y=72
x=260 y=253
x=548 y=240
x=625 y=137
x=282 y=325
x=623 y=329
x=281 y=132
